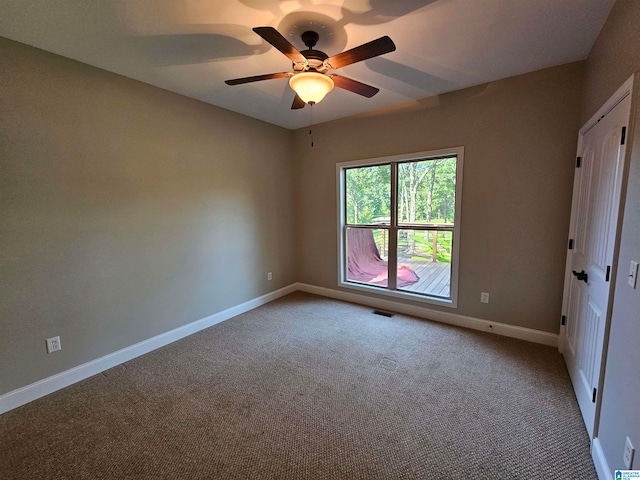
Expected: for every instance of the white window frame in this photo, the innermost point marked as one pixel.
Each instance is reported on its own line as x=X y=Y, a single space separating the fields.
x=451 y=302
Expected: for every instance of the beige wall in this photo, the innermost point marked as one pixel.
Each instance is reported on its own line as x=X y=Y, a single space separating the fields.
x=519 y=136
x=614 y=58
x=126 y=211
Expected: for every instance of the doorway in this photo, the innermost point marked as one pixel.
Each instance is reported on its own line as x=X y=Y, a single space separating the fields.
x=592 y=255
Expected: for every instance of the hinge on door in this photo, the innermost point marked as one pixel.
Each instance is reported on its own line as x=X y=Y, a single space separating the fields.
x=608 y=273
x=571 y=244
x=624 y=135
x=593 y=399
x=563 y=320
x=578 y=162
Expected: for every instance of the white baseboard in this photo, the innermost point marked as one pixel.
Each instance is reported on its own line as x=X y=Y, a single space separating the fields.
x=529 y=334
x=600 y=461
x=48 y=385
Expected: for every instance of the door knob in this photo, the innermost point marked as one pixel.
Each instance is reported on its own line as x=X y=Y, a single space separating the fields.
x=581 y=275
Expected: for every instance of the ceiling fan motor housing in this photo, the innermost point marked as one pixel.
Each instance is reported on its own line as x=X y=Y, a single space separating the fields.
x=315 y=58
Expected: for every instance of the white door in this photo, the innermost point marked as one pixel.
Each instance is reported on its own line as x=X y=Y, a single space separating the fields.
x=594 y=224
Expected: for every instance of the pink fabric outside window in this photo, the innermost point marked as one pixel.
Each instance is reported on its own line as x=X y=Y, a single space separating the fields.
x=364 y=263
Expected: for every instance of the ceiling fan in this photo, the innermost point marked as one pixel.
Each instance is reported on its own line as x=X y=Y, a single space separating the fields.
x=309 y=78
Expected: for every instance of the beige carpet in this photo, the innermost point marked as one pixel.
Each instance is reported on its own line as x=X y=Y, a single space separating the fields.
x=311 y=388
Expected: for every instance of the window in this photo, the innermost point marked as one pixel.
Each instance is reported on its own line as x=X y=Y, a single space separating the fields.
x=399 y=225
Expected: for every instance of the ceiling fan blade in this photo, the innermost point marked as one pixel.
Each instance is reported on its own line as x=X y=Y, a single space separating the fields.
x=354 y=86
x=274 y=37
x=297 y=103
x=368 y=50
x=257 y=78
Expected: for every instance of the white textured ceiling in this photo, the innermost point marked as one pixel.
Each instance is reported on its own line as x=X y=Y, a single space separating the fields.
x=192 y=46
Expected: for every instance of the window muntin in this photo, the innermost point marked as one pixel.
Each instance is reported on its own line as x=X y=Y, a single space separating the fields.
x=403 y=213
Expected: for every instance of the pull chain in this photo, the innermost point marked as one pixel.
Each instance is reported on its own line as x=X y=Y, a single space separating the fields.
x=311 y=123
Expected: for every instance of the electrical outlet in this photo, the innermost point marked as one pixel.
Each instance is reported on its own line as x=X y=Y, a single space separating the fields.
x=269 y=276
x=53 y=344
x=484 y=297
x=632 y=280
x=628 y=454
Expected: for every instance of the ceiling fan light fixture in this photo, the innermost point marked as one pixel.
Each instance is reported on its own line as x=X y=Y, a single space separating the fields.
x=311 y=87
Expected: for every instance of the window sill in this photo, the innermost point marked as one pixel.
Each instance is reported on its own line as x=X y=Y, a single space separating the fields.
x=442 y=302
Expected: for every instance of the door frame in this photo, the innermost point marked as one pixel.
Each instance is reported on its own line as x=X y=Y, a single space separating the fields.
x=628 y=88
